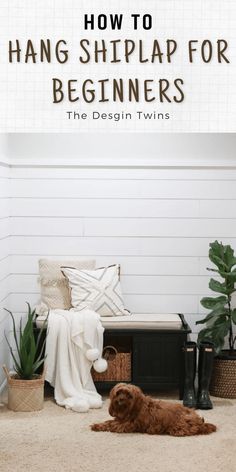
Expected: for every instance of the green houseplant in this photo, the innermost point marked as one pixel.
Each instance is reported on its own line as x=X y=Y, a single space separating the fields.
x=26 y=386
x=220 y=321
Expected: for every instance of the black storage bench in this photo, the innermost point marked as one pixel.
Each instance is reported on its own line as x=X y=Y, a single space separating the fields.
x=156 y=352
x=156 y=355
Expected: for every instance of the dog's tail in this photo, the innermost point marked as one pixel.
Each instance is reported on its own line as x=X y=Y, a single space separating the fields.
x=207 y=428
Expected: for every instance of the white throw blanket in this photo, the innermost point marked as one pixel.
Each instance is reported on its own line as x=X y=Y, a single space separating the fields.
x=70 y=335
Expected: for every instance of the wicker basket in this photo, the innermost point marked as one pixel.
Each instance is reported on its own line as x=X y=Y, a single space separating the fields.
x=223 y=380
x=119 y=366
x=25 y=395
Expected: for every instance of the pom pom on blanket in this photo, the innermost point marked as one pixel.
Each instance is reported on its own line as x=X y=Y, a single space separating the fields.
x=100 y=365
x=92 y=354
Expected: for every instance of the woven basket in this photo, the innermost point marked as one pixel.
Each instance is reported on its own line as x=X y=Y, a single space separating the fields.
x=223 y=380
x=25 y=395
x=119 y=366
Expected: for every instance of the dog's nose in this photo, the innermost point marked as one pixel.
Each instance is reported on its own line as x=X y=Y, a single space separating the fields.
x=121 y=400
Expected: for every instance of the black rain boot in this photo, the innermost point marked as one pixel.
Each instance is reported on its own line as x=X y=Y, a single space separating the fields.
x=205 y=366
x=189 y=397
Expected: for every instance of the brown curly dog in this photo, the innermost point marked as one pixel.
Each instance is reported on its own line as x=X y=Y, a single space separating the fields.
x=135 y=412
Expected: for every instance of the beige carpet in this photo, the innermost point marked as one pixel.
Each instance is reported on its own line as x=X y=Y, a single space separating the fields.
x=56 y=439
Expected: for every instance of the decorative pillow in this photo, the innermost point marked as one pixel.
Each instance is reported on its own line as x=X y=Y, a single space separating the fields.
x=98 y=290
x=55 y=292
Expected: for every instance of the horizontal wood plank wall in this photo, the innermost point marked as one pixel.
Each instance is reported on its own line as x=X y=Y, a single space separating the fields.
x=156 y=222
x=4 y=265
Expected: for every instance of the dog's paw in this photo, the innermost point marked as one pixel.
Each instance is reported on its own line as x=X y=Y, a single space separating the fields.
x=95 y=427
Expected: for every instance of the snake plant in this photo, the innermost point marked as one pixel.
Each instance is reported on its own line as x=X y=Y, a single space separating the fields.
x=29 y=354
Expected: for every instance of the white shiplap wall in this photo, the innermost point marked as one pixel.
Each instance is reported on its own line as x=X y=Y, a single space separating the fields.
x=149 y=202
x=4 y=256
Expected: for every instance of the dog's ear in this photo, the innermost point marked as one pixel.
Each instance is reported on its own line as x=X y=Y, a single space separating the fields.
x=135 y=391
x=111 y=409
x=112 y=396
x=138 y=391
x=138 y=398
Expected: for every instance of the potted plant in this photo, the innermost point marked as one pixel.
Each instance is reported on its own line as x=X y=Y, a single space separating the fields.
x=26 y=386
x=221 y=320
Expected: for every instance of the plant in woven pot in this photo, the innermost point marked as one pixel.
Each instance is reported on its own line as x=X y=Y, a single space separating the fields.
x=221 y=320
x=26 y=385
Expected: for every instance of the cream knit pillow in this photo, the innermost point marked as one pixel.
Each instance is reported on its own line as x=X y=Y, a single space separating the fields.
x=54 y=287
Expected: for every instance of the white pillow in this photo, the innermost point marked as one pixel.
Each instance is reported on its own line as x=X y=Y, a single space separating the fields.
x=98 y=290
